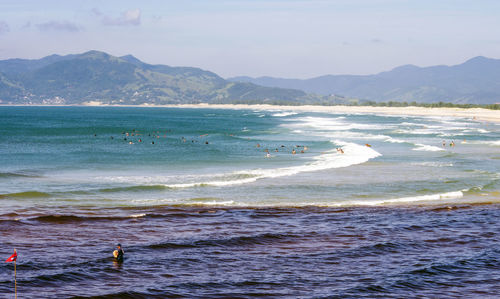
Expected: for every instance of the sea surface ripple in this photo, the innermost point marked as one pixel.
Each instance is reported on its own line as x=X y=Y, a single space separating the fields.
x=213 y=203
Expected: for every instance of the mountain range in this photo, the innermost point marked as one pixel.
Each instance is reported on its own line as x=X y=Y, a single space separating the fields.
x=96 y=76
x=99 y=77
x=476 y=81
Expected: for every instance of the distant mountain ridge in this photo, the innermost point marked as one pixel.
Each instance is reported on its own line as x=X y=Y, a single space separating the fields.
x=99 y=77
x=96 y=76
x=476 y=81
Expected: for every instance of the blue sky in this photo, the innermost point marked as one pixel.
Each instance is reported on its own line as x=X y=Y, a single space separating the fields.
x=294 y=39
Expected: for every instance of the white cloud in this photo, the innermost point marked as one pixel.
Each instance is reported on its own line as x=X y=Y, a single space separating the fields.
x=129 y=17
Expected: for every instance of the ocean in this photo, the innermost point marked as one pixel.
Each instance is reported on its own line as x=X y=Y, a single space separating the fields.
x=211 y=203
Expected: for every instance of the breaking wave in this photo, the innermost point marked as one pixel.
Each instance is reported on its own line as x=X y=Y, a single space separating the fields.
x=284 y=113
x=427 y=148
x=353 y=154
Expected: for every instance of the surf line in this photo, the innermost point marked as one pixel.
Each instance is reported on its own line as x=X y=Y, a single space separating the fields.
x=354 y=154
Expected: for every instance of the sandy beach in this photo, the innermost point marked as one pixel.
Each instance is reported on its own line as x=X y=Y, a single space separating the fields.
x=479 y=114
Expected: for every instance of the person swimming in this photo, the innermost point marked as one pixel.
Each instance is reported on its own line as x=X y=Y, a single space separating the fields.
x=118 y=253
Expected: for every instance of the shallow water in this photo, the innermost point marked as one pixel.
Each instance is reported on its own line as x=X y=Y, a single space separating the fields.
x=303 y=252
x=403 y=217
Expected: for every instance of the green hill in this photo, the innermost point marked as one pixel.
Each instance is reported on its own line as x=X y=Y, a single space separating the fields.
x=98 y=76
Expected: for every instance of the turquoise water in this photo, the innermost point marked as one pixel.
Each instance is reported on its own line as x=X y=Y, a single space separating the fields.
x=82 y=155
x=203 y=211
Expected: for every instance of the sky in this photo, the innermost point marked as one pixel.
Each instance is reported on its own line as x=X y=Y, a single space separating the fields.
x=291 y=39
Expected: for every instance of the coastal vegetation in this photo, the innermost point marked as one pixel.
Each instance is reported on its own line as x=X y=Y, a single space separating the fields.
x=356 y=102
x=426 y=105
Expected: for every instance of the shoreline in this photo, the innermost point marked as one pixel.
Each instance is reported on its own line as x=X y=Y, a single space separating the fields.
x=478 y=114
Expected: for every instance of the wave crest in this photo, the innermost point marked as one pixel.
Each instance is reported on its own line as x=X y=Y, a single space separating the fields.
x=353 y=154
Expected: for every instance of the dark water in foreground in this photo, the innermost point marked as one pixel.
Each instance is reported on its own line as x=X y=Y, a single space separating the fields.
x=237 y=252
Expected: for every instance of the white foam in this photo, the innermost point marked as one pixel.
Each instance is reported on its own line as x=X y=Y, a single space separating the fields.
x=334 y=124
x=479 y=130
x=353 y=154
x=426 y=131
x=433 y=164
x=427 y=148
x=137 y=215
x=216 y=183
x=350 y=135
x=394 y=140
x=150 y=180
x=486 y=142
x=412 y=124
x=284 y=113
x=439 y=198
x=451 y=134
x=212 y=203
x=412 y=199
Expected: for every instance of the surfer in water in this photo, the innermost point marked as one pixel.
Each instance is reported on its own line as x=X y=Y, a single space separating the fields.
x=118 y=253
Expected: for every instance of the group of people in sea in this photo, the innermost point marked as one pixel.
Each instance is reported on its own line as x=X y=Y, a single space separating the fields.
x=134 y=136
x=452 y=143
x=134 y=133
x=302 y=148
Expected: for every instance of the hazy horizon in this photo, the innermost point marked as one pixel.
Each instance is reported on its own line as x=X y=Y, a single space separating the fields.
x=291 y=39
